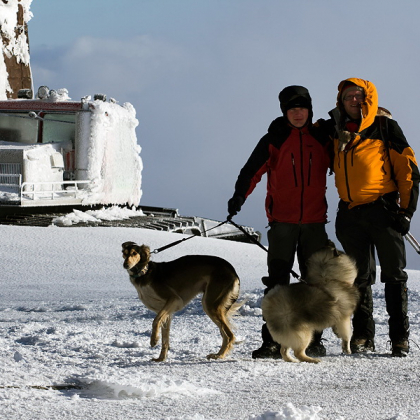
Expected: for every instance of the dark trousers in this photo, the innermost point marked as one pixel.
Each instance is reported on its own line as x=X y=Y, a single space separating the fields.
x=287 y=239
x=284 y=241
x=361 y=231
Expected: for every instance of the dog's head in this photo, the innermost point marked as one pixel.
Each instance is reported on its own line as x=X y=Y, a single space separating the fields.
x=134 y=254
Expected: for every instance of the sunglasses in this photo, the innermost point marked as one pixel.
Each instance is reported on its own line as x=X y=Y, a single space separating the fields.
x=357 y=96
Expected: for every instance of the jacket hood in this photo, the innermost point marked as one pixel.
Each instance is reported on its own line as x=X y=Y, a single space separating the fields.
x=369 y=106
x=278 y=125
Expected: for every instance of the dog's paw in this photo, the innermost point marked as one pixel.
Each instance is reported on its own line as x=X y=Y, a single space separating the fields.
x=159 y=359
x=345 y=348
x=154 y=340
x=214 y=356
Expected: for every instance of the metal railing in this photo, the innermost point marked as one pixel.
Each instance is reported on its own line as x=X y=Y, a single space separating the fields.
x=50 y=190
x=11 y=175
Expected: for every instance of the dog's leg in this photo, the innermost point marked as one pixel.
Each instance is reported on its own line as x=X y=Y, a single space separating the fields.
x=285 y=355
x=162 y=318
x=219 y=305
x=302 y=342
x=303 y=357
x=343 y=330
x=166 y=326
x=219 y=318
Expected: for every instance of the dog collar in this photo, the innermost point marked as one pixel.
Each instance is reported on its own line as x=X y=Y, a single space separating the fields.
x=142 y=272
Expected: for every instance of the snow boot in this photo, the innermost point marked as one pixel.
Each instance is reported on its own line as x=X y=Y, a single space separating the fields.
x=269 y=349
x=396 y=299
x=400 y=348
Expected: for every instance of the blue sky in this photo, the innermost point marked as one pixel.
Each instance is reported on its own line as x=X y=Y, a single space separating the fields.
x=204 y=77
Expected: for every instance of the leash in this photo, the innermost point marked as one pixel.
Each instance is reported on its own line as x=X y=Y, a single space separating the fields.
x=184 y=239
x=256 y=242
x=228 y=220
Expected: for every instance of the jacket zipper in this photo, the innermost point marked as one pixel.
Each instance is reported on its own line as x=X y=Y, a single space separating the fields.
x=294 y=170
x=346 y=175
x=302 y=175
x=310 y=169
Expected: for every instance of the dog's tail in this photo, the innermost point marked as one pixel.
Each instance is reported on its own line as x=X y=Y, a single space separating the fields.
x=234 y=308
x=232 y=305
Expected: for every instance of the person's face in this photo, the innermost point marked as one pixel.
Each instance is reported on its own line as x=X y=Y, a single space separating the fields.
x=297 y=116
x=351 y=102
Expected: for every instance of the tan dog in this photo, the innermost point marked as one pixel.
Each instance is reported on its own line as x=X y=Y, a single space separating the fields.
x=167 y=287
x=327 y=298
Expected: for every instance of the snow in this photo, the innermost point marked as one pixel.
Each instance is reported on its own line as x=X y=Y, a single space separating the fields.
x=111 y=213
x=113 y=154
x=74 y=342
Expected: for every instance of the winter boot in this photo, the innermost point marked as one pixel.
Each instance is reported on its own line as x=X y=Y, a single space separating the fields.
x=396 y=305
x=316 y=348
x=362 y=345
x=269 y=349
x=363 y=322
x=400 y=348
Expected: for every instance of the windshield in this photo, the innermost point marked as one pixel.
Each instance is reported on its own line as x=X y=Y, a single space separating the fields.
x=18 y=127
x=58 y=128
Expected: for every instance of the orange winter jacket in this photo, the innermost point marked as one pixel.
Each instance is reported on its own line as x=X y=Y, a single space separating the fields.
x=378 y=161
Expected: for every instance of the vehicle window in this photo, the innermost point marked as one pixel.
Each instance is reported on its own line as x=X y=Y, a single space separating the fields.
x=58 y=128
x=18 y=127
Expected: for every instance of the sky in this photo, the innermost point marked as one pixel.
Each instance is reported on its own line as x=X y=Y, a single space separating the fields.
x=80 y=327
x=204 y=78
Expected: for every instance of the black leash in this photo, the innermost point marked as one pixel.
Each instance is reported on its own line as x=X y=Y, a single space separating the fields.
x=250 y=237
x=185 y=239
x=229 y=219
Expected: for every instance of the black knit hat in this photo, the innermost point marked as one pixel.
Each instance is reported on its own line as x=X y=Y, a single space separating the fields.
x=295 y=97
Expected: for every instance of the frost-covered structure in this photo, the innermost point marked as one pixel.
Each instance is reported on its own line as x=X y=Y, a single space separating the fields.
x=15 y=71
x=54 y=151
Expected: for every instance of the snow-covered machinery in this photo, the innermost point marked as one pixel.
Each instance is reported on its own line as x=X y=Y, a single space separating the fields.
x=54 y=151
x=57 y=155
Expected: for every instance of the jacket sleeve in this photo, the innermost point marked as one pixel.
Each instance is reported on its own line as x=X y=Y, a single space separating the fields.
x=325 y=132
x=254 y=168
x=406 y=171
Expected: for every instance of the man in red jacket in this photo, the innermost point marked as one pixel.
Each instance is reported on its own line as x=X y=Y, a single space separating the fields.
x=294 y=155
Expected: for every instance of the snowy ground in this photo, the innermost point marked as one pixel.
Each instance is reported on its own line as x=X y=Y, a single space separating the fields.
x=74 y=342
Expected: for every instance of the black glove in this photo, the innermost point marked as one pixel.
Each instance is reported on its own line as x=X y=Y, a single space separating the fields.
x=402 y=223
x=235 y=205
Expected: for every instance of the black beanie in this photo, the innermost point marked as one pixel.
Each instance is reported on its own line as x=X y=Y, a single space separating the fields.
x=295 y=97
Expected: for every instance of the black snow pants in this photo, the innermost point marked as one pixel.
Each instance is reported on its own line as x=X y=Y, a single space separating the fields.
x=284 y=241
x=362 y=230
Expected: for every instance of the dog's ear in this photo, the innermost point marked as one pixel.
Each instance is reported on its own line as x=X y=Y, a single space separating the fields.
x=330 y=243
x=125 y=245
x=144 y=252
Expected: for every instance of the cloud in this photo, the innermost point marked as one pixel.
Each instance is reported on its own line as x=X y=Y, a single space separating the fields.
x=125 y=65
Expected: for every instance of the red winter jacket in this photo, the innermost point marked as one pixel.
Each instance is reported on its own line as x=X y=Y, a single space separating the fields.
x=296 y=162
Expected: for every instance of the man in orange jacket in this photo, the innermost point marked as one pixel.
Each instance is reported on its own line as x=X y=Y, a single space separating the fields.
x=377 y=179
x=294 y=155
